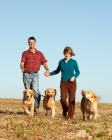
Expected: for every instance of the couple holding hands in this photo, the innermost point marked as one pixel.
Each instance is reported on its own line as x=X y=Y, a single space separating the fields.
x=31 y=61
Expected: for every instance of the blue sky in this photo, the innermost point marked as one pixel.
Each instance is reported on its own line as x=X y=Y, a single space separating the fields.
x=84 y=25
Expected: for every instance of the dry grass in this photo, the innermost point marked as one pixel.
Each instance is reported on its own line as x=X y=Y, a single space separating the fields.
x=15 y=125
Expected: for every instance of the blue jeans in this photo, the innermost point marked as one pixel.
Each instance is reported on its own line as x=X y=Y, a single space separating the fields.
x=32 y=81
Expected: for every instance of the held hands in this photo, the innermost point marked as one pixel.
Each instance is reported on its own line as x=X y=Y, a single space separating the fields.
x=47 y=73
x=72 y=79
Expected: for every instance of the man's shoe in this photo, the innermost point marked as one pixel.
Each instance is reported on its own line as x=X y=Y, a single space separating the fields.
x=36 y=110
x=38 y=106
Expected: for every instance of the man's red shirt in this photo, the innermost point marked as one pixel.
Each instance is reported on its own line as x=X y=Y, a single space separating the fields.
x=32 y=61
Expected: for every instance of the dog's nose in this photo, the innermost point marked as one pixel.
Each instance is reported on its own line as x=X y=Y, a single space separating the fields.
x=50 y=95
x=27 y=96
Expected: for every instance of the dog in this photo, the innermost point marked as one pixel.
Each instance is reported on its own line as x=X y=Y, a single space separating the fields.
x=28 y=101
x=89 y=105
x=49 y=100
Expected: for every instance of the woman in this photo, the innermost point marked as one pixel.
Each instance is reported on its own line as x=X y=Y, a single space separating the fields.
x=67 y=66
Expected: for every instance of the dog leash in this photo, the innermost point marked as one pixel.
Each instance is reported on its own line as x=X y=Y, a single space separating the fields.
x=32 y=88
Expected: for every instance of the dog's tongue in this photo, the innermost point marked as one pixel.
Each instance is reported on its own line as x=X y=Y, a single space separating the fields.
x=50 y=98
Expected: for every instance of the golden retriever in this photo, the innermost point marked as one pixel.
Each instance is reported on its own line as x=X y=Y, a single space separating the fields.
x=49 y=100
x=89 y=104
x=28 y=101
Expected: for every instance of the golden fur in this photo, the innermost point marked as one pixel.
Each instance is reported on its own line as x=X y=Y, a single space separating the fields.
x=49 y=100
x=28 y=101
x=89 y=105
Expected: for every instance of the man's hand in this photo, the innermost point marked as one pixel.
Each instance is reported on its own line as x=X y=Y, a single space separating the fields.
x=47 y=73
x=72 y=79
x=23 y=70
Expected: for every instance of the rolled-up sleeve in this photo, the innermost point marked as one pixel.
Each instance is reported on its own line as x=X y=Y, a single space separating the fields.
x=43 y=60
x=23 y=57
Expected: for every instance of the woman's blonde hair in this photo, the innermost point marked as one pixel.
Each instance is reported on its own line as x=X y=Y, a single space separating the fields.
x=68 y=50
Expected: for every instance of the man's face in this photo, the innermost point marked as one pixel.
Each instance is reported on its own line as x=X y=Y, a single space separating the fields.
x=32 y=44
x=67 y=56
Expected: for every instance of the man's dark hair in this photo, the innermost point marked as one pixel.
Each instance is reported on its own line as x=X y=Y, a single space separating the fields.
x=31 y=38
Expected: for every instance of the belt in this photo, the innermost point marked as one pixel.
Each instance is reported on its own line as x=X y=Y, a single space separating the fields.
x=65 y=81
x=32 y=72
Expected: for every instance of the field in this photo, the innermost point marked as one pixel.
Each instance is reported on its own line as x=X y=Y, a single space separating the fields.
x=15 y=125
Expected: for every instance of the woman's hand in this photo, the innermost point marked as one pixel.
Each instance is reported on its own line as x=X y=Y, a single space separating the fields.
x=72 y=79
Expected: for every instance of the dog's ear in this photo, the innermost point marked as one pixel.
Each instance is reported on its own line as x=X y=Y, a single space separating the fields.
x=83 y=92
x=24 y=91
x=95 y=96
x=32 y=93
x=24 y=94
x=55 y=92
x=46 y=91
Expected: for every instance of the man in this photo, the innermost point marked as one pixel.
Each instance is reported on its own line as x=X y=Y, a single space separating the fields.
x=30 y=64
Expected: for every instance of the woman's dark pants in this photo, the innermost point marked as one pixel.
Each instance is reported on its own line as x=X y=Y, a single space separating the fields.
x=68 y=90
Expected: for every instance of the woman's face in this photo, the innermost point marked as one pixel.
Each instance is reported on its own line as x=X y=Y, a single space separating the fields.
x=67 y=56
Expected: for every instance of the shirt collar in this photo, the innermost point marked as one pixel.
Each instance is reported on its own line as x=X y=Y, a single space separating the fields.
x=68 y=60
x=32 y=52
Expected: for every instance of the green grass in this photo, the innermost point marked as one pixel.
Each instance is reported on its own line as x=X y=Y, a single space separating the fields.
x=15 y=125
